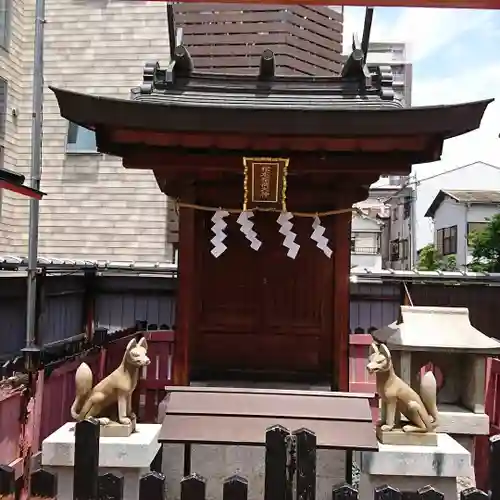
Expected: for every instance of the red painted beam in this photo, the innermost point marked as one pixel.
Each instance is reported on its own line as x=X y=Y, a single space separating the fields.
x=447 y=4
x=24 y=190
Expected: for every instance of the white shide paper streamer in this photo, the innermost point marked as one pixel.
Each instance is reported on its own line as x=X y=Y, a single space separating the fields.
x=247 y=229
x=219 y=235
x=286 y=230
x=317 y=236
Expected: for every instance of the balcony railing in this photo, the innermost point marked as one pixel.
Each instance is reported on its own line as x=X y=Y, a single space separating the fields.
x=366 y=250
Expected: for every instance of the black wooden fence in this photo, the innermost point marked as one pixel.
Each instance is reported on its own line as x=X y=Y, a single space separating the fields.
x=285 y=478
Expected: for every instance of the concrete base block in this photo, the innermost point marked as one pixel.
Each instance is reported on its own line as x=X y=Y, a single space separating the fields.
x=410 y=467
x=399 y=437
x=130 y=456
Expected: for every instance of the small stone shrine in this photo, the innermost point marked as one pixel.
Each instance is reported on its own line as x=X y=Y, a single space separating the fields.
x=444 y=337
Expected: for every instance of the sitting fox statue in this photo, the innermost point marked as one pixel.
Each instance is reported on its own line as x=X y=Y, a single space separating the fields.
x=111 y=399
x=398 y=398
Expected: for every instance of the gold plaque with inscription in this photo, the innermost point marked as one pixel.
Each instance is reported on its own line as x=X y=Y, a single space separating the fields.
x=265 y=183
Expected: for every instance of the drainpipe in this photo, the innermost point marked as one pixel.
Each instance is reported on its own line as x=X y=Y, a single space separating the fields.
x=35 y=173
x=466 y=236
x=413 y=232
x=31 y=351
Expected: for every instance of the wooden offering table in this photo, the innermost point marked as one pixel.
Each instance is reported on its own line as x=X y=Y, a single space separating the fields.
x=230 y=416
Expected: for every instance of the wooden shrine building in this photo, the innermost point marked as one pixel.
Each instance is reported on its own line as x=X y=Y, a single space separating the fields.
x=321 y=141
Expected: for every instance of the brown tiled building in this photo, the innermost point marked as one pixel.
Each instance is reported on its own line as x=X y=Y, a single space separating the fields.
x=305 y=39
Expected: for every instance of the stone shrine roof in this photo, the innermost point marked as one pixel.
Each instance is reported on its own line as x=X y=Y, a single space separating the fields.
x=436 y=329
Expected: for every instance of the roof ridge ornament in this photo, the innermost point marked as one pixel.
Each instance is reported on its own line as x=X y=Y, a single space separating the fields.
x=267 y=67
x=355 y=66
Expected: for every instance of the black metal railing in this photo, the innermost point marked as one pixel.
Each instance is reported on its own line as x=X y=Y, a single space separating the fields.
x=365 y=250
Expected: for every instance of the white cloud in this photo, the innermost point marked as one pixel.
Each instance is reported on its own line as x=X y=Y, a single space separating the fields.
x=424 y=30
x=428 y=30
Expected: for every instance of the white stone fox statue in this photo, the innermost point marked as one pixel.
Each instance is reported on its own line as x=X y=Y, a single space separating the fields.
x=111 y=399
x=398 y=397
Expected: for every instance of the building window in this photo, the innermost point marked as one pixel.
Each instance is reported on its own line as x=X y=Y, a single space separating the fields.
x=80 y=140
x=365 y=243
x=1 y=190
x=394 y=250
x=475 y=227
x=395 y=213
x=5 y=19
x=447 y=240
x=404 y=251
x=5 y=9
x=3 y=105
x=407 y=208
x=439 y=241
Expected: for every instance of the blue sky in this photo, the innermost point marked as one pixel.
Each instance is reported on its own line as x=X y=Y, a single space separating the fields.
x=456 y=58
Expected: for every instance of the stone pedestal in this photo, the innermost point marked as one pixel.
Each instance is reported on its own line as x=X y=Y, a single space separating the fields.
x=130 y=456
x=409 y=468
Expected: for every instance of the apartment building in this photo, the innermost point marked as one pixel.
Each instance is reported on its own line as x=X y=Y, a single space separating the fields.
x=400 y=233
x=367 y=228
x=94 y=208
x=395 y=55
x=390 y=208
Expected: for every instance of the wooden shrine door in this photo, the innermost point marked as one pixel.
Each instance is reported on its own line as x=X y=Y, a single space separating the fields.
x=262 y=310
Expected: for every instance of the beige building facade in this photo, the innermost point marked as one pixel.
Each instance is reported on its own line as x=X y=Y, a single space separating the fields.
x=93 y=208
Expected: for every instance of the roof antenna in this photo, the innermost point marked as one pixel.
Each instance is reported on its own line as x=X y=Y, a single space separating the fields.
x=365 y=42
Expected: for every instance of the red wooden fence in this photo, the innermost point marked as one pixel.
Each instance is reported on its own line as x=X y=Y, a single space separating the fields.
x=359 y=379
x=481 y=444
x=10 y=425
x=59 y=393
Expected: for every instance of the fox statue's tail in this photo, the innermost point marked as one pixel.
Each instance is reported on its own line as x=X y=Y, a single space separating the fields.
x=83 y=383
x=428 y=394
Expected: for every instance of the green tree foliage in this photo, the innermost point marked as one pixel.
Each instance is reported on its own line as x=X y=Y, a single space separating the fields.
x=485 y=246
x=430 y=260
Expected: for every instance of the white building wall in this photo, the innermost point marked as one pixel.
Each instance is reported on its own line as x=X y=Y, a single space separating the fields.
x=450 y=213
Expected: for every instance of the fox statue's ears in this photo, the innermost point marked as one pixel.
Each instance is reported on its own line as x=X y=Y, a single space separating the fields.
x=373 y=349
x=133 y=343
x=379 y=349
x=385 y=351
